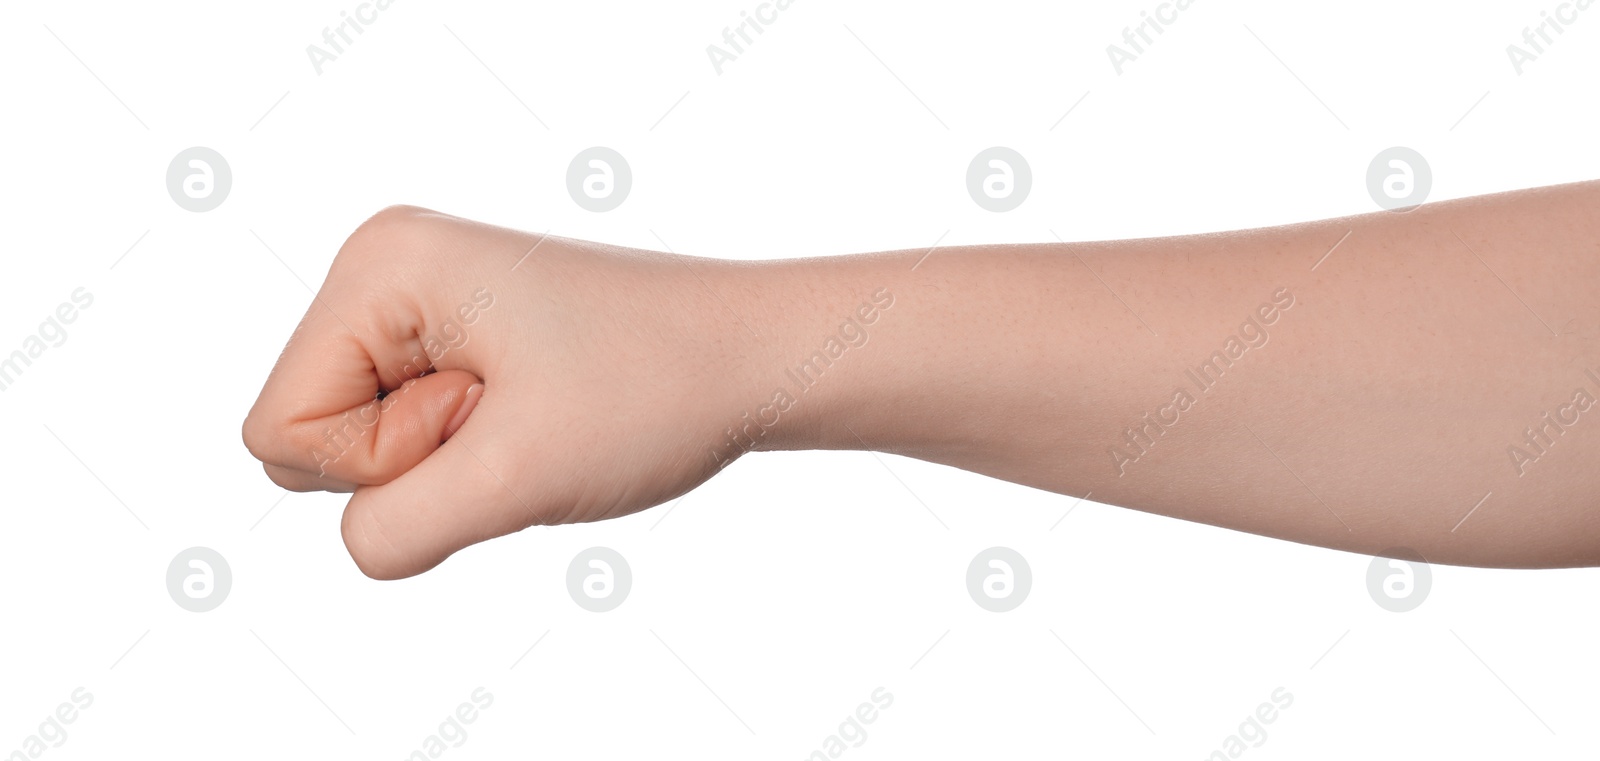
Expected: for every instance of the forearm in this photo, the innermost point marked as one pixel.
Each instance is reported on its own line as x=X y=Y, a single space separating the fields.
x=1363 y=399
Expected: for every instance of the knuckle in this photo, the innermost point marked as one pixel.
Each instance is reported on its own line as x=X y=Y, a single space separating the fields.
x=362 y=460
x=256 y=437
x=395 y=231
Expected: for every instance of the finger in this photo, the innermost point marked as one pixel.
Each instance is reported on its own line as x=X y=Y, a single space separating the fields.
x=460 y=495
x=378 y=441
x=372 y=442
x=362 y=335
x=327 y=368
x=301 y=481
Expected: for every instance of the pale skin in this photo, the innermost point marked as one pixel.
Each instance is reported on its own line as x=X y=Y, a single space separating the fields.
x=1379 y=401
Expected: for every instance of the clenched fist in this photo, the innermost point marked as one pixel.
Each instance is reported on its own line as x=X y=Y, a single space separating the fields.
x=467 y=381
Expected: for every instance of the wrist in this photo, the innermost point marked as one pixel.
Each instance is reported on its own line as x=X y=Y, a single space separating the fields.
x=810 y=378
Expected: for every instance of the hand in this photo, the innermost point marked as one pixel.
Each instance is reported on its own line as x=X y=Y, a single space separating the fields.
x=524 y=380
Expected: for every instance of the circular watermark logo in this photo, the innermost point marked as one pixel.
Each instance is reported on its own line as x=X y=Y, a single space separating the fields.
x=1399 y=179
x=599 y=579
x=198 y=179
x=999 y=579
x=998 y=179
x=1399 y=579
x=598 y=179
x=199 y=579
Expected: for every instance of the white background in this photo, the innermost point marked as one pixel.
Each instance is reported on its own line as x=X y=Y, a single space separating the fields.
x=773 y=600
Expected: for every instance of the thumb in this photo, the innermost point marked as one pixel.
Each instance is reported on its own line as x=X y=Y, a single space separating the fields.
x=378 y=441
x=383 y=438
x=372 y=443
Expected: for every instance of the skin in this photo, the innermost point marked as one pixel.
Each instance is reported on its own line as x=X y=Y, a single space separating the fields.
x=1373 y=411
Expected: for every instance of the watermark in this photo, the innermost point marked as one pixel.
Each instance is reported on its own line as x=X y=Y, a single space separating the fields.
x=1536 y=439
x=452 y=334
x=52 y=732
x=198 y=179
x=1537 y=38
x=998 y=179
x=51 y=334
x=737 y=37
x=1138 y=37
x=1252 y=731
x=1399 y=579
x=1398 y=179
x=852 y=334
x=852 y=732
x=599 y=579
x=999 y=579
x=1139 y=438
x=452 y=732
x=199 y=579
x=339 y=37
x=599 y=178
